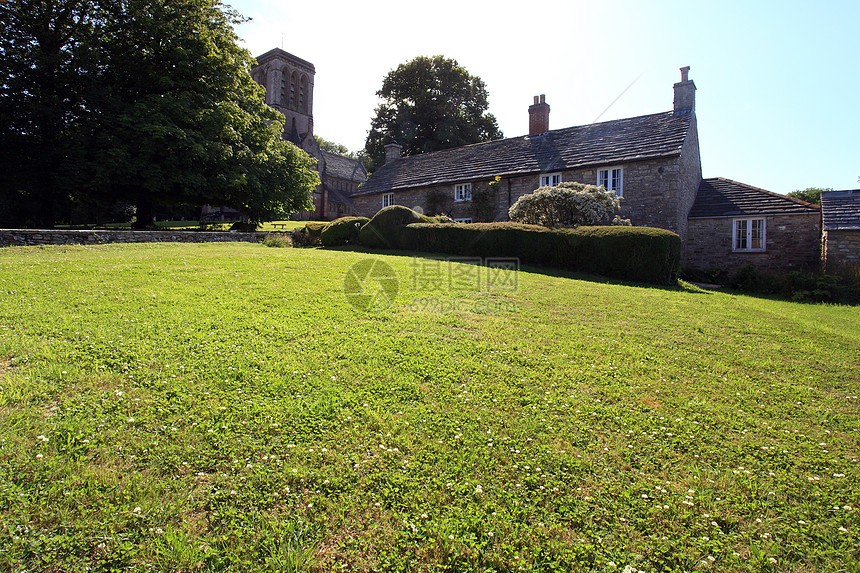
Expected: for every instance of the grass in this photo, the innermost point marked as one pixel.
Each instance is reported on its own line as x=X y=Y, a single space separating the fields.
x=223 y=407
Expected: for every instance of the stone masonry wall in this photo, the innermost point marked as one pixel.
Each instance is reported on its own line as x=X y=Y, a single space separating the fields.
x=842 y=248
x=31 y=237
x=792 y=242
x=690 y=176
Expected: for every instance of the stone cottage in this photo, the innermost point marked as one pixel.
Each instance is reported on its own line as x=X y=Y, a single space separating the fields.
x=840 y=214
x=651 y=162
x=289 y=84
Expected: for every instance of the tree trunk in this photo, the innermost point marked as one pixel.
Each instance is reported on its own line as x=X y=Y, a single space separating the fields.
x=145 y=213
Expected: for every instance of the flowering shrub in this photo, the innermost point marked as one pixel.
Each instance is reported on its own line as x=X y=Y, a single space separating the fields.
x=568 y=205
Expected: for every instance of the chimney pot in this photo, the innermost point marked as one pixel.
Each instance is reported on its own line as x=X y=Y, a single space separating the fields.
x=539 y=116
x=685 y=71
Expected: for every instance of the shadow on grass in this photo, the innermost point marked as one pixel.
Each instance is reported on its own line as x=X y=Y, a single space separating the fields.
x=680 y=286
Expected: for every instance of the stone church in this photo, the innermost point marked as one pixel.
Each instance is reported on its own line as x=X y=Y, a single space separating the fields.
x=289 y=84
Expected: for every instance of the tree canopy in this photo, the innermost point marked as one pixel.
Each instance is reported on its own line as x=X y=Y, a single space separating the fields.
x=144 y=101
x=430 y=104
x=810 y=194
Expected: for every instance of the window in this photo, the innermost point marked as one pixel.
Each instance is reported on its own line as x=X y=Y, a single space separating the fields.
x=463 y=220
x=612 y=179
x=748 y=235
x=550 y=179
x=463 y=192
x=387 y=199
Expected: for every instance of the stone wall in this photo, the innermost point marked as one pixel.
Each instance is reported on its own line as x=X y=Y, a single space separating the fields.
x=842 y=248
x=792 y=242
x=30 y=237
x=690 y=176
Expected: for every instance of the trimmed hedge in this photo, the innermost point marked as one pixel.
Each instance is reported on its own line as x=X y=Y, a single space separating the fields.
x=383 y=231
x=630 y=253
x=314 y=229
x=342 y=231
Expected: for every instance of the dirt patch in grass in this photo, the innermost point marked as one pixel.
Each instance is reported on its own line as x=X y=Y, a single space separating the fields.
x=652 y=402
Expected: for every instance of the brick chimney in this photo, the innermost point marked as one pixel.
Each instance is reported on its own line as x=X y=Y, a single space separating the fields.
x=685 y=93
x=392 y=151
x=539 y=116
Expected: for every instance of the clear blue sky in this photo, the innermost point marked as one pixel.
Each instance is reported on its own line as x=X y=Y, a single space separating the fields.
x=778 y=82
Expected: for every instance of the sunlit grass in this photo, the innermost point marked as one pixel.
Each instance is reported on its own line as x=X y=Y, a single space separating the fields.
x=222 y=406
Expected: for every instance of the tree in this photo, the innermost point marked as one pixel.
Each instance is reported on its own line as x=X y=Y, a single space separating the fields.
x=340 y=149
x=42 y=55
x=430 y=104
x=165 y=109
x=331 y=146
x=568 y=205
x=810 y=194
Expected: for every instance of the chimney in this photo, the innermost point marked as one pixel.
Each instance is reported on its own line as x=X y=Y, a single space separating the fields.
x=392 y=151
x=685 y=93
x=539 y=116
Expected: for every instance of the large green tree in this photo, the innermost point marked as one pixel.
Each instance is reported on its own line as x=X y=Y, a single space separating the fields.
x=430 y=104
x=168 y=112
x=42 y=86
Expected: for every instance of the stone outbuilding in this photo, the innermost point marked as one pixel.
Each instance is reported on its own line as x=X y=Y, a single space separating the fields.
x=732 y=225
x=840 y=214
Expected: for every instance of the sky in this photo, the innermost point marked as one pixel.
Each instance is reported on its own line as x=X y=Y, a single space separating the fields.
x=778 y=82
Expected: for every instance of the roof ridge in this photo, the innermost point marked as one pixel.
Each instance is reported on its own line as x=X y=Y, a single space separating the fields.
x=524 y=137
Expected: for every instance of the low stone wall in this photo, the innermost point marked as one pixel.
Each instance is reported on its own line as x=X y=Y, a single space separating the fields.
x=31 y=237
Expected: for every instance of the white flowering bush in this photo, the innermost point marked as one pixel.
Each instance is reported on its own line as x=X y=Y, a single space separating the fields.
x=568 y=205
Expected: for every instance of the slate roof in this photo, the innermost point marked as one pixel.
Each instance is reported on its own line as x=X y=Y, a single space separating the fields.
x=343 y=167
x=610 y=142
x=840 y=210
x=336 y=196
x=720 y=197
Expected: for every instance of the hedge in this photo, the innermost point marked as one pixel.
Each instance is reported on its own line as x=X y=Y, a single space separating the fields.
x=630 y=253
x=314 y=229
x=383 y=231
x=342 y=231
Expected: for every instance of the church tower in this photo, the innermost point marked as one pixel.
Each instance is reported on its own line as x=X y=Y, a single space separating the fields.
x=289 y=84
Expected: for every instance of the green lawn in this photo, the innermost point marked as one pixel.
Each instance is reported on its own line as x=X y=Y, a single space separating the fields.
x=223 y=407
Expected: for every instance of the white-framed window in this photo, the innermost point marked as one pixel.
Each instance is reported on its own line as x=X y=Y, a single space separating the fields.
x=749 y=235
x=550 y=179
x=463 y=192
x=612 y=179
x=463 y=220
x=387 y=199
